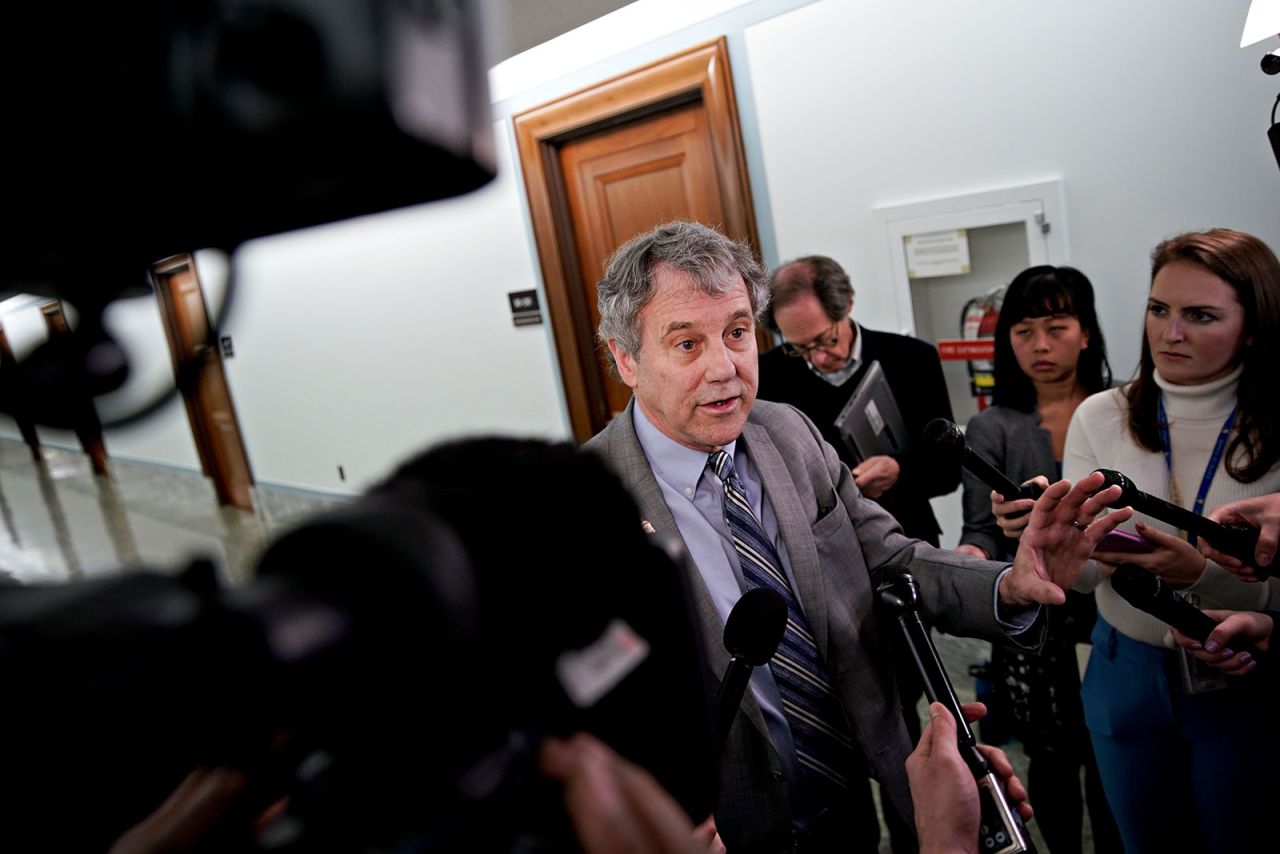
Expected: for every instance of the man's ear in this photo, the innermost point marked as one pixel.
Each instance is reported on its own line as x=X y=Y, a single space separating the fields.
x=626 y=364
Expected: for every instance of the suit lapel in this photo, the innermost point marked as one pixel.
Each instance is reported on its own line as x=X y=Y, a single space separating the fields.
x=793 y=526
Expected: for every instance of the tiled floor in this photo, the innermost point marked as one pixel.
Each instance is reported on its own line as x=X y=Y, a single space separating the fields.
x=60 y=522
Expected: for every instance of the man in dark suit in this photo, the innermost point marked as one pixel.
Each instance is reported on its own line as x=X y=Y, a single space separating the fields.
x=757 y=498
x=826 y=355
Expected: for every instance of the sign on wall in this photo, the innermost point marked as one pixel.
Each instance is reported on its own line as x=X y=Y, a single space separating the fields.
x=937 y=253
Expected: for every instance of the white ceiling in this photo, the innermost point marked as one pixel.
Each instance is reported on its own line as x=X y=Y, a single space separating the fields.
x=517 y=25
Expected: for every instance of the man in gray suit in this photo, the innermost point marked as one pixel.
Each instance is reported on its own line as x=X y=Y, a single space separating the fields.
x=678 y=308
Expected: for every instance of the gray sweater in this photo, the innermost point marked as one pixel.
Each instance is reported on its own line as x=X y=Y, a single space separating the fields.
x=1016 y=444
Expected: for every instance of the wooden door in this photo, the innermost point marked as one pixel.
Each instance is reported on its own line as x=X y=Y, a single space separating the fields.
x=625 y=180
x=76 y=404
x=18 y=407
x=610 y=161
x=202 y=380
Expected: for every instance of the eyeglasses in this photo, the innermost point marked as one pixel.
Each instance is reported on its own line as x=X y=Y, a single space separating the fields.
x=825 y=342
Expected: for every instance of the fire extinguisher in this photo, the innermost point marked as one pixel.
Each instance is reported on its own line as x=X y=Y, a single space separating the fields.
x=978 y=320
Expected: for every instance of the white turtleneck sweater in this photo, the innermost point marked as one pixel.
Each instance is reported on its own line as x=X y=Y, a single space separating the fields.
x=1099 y=437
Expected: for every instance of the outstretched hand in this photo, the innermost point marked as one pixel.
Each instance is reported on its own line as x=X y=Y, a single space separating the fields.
x=1058 y=540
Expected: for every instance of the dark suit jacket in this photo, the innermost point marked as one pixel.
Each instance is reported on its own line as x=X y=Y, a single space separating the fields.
x=914 y=374
x=835 y=539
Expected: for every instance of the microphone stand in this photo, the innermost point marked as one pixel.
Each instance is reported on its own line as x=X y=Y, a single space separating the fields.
x=1001 y=830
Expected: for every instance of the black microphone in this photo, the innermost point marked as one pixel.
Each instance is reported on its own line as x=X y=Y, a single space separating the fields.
x=751 y=635
x=1002 y=830
x=949 y=438
x=1147 y=592
x=1239 y=541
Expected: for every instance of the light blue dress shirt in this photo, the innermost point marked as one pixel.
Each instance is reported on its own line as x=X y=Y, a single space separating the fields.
x=695 y=497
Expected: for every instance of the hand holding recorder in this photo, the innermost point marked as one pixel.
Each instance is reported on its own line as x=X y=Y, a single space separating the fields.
x=1001 y=829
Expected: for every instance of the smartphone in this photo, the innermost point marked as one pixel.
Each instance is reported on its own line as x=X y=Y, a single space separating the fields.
x=1123 y=541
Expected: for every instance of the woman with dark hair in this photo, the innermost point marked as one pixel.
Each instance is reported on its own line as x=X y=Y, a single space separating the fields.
x=1183 y=764
x=1050 y=355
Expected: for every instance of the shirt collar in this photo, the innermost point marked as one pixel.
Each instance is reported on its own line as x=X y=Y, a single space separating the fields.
x=679 y=466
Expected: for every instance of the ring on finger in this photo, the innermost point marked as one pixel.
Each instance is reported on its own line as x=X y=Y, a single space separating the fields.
x=1080 y=526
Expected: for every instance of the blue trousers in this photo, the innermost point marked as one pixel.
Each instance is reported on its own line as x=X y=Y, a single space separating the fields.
x=1183 y=773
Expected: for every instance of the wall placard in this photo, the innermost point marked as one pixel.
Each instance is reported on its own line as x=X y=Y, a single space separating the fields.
x=937 y=253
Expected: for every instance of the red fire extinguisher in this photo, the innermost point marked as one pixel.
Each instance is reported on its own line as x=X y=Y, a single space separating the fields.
x=978 y=320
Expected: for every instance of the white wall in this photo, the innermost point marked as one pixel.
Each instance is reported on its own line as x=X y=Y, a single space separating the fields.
x=1149 y=111
x=360 y=342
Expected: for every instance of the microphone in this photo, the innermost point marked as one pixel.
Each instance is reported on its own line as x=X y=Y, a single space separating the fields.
x=1147 y=592
x=1239 y=541
x=751 y=635
x=1001 y=830
x=949 y=438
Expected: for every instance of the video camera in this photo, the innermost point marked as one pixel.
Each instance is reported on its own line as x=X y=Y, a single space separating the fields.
x=390 y=671
x=393 y=665
x=158 y=127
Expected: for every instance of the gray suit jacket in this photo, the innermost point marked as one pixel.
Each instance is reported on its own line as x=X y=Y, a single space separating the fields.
x=835 y=539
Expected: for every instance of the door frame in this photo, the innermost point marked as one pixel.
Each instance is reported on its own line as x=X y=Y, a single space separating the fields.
x=700 y=73
x=1039 y=207
x=190 y=377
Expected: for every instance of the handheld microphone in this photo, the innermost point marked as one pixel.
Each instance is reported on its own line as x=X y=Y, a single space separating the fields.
x=949 y=438
x=1239 y=541
x=751 y=635
x=1147 y=592
x=1001 y=830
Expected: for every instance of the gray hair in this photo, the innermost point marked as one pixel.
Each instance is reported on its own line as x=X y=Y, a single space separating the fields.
x=711 y=260
x=812 y=274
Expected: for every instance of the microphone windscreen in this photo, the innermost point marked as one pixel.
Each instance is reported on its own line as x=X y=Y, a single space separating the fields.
x=944 y=435
x=1128 y=492
x=756 y=625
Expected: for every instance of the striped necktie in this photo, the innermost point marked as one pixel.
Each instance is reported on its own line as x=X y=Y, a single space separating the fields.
x=819 y=730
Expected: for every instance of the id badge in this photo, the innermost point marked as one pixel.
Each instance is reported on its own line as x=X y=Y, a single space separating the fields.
x=1197 y=676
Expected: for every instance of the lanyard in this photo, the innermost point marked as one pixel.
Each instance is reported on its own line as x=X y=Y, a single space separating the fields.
x=1214 y=459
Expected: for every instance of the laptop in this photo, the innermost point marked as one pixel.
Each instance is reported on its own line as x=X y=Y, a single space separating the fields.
x=871 y=422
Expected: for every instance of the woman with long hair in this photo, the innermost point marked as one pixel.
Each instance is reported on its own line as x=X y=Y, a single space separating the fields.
x=1183 y=763
x=1050 y=356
